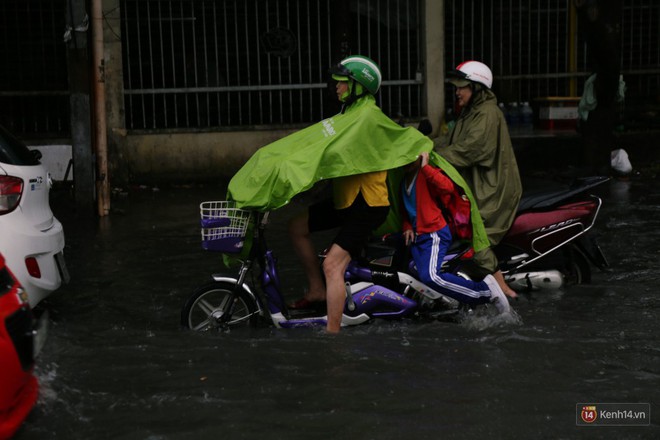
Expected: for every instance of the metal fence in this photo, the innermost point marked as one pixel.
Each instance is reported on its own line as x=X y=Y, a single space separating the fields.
x=640 y=61
x=34 y=96
x=525 y=43
x=529 y=45
x=227 y=64
x=195 y=64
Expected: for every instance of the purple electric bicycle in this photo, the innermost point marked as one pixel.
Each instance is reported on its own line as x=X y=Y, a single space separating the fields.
x=376 y=286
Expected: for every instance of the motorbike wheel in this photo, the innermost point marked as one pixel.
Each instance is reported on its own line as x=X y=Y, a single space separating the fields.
x=204 y=309
x=576 y=268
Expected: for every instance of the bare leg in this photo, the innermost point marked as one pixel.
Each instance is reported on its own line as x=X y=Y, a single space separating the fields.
x=508 y=291
x=304 y=248
x=334 y=268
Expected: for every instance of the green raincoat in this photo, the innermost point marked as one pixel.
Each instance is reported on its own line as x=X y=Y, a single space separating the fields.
x=480 y=148
x=360 y=140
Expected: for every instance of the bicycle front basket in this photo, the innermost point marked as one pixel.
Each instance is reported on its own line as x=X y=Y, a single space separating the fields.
x=223 y=226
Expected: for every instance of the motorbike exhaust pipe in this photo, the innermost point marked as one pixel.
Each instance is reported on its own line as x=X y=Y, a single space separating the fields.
x=527 y=281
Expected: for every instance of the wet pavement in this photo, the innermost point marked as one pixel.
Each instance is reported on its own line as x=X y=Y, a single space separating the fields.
x=117 y=365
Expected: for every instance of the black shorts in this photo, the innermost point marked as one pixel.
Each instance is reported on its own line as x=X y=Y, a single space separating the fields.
x=355 y=223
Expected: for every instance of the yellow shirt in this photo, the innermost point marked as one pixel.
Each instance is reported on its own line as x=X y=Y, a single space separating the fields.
x=373 y=187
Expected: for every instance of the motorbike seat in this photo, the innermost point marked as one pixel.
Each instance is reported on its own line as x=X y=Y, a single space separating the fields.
x=547 y=198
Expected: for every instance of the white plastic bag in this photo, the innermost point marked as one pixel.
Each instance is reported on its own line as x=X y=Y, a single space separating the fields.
x=620 y=162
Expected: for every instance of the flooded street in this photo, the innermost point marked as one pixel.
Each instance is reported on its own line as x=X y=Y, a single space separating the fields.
x=117 y=365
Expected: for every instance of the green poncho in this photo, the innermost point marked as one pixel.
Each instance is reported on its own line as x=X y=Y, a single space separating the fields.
x=360 y=140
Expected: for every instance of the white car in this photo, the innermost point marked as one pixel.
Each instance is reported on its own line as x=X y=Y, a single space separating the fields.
x=31 y=238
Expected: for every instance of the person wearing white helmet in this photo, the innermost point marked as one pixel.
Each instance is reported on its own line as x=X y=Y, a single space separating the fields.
x=480 y=148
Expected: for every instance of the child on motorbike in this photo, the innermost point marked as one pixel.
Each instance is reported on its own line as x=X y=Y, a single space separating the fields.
x=427 y=231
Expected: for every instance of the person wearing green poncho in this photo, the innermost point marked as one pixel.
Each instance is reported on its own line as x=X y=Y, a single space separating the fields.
x=359 y=204
x=360 y=144
x=480 y=148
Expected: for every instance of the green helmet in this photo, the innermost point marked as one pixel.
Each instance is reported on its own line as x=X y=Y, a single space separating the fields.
x=362 y=69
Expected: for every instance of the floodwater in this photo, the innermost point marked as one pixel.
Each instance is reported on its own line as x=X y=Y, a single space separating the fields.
x=116 y=364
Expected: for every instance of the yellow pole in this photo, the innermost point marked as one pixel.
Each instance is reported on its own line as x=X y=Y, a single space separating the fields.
x=572 y=47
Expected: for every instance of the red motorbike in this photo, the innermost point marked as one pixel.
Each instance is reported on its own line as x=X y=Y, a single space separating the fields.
x=548 y=245
x=18 y=385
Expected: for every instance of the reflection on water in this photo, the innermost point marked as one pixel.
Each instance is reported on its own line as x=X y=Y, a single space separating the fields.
x=116 y=364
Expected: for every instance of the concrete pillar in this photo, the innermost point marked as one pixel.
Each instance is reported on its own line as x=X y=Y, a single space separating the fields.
x=77 y=54
x=114 y=92
x=100 y=121
x=434 y=34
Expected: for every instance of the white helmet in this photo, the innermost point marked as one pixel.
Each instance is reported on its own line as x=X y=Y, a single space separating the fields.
x=471 y=71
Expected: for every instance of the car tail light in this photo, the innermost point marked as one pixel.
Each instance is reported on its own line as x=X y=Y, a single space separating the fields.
x=11 y=189
x=33 y=267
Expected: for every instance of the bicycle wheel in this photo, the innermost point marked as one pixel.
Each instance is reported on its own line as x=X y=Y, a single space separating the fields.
x=204 y=309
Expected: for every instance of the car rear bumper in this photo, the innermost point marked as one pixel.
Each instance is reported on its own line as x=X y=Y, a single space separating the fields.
x=46 y=247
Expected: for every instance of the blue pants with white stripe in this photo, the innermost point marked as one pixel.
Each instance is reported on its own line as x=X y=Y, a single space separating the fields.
x=428 y=251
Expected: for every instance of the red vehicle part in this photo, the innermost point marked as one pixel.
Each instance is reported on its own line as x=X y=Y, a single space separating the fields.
x=543 y=231
x=18 y=385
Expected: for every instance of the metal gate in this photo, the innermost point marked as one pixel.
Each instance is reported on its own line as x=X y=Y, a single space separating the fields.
x=226 y=64
x=34 y=95
x=233 y=64
x=530 y=45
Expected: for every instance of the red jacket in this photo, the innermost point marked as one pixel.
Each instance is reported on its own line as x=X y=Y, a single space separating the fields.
x=432 y=190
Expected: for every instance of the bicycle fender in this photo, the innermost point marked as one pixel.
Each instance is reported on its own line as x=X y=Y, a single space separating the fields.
x=217 y=277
